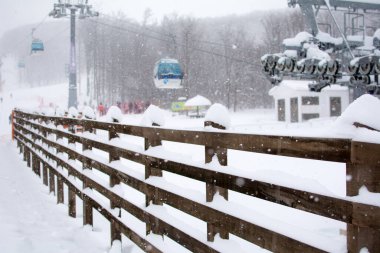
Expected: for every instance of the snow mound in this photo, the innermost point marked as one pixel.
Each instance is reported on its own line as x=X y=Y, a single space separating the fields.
x=363 y=110
x=198 y=101
x=88 y=113
x=219 y=114
x=73 y=112
x=298 y=39
x=59 y=111
x=48 y=111
x=114 y=114
x=153 y=115
x=313 y=52
x=327 y=38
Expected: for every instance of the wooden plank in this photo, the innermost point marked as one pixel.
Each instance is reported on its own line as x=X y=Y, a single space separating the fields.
x=361 y=174
x=337 y=150
x=365 y=153
x=260 y=236
x=318 y=204
x=362 y=237
x=145 y=245
x=326 y=149
x=329 y=207
x=172 y=232
x=364 y=168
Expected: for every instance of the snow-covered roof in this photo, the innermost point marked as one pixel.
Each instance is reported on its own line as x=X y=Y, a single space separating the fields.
x=198 y=100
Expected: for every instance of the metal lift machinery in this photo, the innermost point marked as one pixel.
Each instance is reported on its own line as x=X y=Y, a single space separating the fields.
x=353 y=59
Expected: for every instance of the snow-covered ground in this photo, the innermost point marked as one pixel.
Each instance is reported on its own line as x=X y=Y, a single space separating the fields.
x=31 y=221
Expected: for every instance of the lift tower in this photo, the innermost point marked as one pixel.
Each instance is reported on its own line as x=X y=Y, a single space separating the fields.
x=63 y=9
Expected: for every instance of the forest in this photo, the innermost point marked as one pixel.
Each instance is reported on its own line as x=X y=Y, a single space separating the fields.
x=220 y=56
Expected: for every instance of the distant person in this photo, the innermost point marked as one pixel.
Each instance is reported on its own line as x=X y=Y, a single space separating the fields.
x=1 y=99
x=11 y=95
x=101 y=109
x=130 y=107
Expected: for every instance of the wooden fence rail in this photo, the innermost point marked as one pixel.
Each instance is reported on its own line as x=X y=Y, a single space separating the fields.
x=34 y=134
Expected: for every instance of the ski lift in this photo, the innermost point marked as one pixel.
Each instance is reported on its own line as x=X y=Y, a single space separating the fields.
x=37 y=46
x=168 y=74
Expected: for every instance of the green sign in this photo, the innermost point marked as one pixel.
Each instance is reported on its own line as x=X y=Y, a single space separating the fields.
x=178 y=106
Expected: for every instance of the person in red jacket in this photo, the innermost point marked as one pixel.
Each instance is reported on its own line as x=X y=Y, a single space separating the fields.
x=101 y=109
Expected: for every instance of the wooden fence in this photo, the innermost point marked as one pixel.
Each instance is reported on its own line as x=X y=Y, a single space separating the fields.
x=38 y=138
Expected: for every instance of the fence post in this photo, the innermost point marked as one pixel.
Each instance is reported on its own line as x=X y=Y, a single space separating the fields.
x=151 y=139
x=37 y=165
x=34 y=159
x=72 y=202
x=45 y=174
x=211 y=188
x=24 y=153
x=21 y=146
x=28 y=157
x=114 y=180
x=60 y=194
x=51 y=182
x=87 y=206
x=363 y=170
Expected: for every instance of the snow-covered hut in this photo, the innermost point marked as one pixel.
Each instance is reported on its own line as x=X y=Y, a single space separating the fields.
x=294 y=102
x=197 y=106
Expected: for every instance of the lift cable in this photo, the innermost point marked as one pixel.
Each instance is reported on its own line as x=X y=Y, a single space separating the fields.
x=171 y=36
x=124 y=29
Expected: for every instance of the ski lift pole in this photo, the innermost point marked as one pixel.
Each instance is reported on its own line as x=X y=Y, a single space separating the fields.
x=85 y=11
x=72 y=68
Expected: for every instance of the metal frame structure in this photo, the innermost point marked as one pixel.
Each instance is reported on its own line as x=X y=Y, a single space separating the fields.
x=348 y=65
x=59 y=11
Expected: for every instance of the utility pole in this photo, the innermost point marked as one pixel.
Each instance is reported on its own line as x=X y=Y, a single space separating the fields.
x=59 y=11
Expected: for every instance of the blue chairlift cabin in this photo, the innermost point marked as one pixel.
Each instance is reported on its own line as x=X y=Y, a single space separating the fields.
x=37 y=46
x=168 y=74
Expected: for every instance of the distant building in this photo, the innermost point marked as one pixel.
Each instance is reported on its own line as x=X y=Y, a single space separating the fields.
x=295 y=103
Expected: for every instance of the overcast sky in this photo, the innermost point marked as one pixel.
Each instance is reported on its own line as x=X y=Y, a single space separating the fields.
x=14 y=13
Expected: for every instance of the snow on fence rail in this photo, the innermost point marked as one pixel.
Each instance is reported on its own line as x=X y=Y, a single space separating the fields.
x=35 y=138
